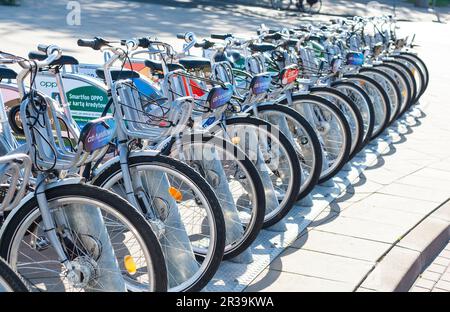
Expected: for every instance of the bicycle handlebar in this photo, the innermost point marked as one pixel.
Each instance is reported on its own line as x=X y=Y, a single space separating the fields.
x=221 y=36
x=96 y=44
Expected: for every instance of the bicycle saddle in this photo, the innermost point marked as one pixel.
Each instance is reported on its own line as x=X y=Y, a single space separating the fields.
x=157 y=66
x=262 y=47
x=117 y=74
x=63 y=60
x=195 y=63
x=6 y=73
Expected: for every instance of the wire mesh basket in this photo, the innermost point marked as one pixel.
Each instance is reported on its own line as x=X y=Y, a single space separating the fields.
x=149 y=117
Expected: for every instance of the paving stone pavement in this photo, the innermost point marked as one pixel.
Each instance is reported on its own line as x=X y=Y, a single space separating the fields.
x=436 y=277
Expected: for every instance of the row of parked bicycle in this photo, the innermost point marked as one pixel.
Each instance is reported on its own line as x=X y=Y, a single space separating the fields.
x=192 y=156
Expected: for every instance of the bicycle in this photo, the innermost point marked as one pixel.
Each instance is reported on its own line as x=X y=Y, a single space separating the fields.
x=70 y=231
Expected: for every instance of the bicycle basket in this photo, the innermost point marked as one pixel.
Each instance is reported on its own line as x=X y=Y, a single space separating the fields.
x=53 y=138
x=147 y=116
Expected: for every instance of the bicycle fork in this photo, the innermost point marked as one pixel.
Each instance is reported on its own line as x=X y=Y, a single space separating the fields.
x=82 y=271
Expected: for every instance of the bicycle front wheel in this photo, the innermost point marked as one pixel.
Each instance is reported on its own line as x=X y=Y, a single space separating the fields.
x=108 y=244
x=350 y=111
x=379 y=98
x=275 y=158
x=331 y=128
x=183 y=208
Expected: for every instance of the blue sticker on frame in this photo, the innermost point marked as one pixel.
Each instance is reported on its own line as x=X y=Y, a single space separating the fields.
x=98 y=133
x=219 y=96
x=260 y=83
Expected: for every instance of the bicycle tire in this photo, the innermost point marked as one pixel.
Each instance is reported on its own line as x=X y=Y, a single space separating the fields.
x=421 y=64
x=389 y=69
x=421 y=81
x=397 y=93
x=410 y=78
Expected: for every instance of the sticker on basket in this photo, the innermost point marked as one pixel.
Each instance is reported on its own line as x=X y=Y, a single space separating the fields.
x=98 y=133
x=219 y=96
x=289 y=74
x=355 y=58
x=260 y=83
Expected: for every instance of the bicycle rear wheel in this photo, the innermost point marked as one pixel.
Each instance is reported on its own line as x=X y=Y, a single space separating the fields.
x=313 y=7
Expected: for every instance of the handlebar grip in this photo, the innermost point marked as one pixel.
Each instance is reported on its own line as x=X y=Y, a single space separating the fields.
x=43 y=48
x=96 y=43
x=90 y=43
x=144 y=42
x=205 y=44
x=221 y=36
x=180 y=36
x=273 y=36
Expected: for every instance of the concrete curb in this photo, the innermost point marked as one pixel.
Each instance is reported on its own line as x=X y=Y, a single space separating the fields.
x=398 y=269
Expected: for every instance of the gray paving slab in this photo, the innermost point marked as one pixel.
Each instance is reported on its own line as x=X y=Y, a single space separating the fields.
x=277 y=281
x=366 y=210
x=431 y=276
x=415 y=192
x=371 y=230
x=341 y=245
x=321 y=265
x=444 y=285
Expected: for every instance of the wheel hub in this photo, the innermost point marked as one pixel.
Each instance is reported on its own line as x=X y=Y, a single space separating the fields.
x=84 y=270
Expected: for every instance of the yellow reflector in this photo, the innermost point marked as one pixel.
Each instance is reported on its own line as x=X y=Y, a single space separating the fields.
x=130 y=265
x=404 y=92
x=175 y=193
x=236 y=140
